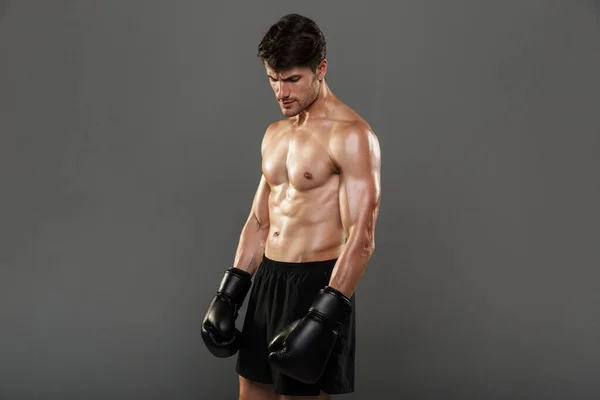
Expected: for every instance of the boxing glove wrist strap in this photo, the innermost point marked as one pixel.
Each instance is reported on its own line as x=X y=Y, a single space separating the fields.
x=235 y=285
x=331 y=305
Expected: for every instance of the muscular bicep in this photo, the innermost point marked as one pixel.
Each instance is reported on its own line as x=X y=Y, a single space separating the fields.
x=357 y=155
x=260 y=204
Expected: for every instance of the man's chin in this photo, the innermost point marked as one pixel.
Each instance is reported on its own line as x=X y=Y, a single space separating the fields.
x=290 y=112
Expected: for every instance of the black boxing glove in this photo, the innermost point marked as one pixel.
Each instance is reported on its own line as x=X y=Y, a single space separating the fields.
x=302 y=349
x=218 y=327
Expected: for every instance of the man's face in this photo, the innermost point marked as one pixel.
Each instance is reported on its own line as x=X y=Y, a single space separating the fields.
x=295 y=88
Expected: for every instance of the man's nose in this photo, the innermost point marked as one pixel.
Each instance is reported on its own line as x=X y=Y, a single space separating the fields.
x=283 y=91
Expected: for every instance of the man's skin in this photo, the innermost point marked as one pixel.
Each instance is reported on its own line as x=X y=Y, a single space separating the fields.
x=319 y=193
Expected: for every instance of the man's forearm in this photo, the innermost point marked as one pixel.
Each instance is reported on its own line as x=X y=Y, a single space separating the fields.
x=351 y=265
x=251 y=245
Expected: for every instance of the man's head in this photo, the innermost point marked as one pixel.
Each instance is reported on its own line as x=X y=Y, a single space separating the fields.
x=293 y=52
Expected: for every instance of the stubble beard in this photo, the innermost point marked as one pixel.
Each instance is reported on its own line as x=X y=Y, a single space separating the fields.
x=304 y=103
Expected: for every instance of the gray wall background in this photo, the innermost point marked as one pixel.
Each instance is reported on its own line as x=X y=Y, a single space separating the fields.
x=130 y=152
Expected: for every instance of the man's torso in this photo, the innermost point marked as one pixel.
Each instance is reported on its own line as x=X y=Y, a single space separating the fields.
x=304 y=203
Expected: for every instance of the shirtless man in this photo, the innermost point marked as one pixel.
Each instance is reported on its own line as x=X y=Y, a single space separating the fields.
x=309 y=235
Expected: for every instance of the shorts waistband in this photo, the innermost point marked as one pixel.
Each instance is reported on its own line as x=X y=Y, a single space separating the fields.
x=299 y=266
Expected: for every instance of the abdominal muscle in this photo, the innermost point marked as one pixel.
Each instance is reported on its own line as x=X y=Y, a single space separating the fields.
x=304 y=226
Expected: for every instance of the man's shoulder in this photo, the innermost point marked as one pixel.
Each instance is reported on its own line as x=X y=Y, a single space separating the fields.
x=351 y=141
x=277 y=126
x=349 y=122
x=272 y=130
x=352 y=129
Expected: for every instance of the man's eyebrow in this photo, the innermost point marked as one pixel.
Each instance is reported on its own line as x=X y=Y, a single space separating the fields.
x=289 y=78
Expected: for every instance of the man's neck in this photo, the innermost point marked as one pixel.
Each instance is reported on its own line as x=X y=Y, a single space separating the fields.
x=318 y=108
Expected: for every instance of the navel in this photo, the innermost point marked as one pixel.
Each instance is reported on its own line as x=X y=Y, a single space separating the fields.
x=308 y=175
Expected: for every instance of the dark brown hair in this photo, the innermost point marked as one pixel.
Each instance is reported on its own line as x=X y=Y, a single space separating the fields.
x=293 y=41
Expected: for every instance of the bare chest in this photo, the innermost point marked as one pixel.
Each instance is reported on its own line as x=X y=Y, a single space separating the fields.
x=302 y=161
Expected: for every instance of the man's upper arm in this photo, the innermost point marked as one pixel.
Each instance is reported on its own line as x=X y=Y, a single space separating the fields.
x=356 y=153
x=260 y=205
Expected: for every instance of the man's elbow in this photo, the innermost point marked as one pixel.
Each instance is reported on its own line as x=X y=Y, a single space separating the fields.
x=363 y=245
x=260 y=222
x=369 y=247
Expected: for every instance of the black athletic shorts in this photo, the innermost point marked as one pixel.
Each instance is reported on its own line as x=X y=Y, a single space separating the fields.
x=281 y=293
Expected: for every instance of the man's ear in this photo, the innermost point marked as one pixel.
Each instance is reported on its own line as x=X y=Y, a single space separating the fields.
x=322 y=70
